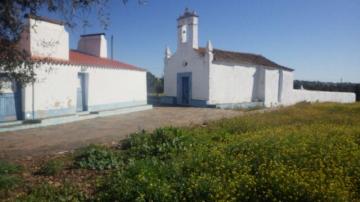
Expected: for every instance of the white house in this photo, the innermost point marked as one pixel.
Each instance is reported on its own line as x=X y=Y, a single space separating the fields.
x=70 y=81
x=218 y=78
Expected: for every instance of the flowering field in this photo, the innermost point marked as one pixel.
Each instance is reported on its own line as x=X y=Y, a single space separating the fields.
x=301 y=153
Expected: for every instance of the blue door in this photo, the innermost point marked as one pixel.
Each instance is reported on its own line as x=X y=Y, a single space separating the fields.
x=184 y=88
x=81 y=101
x=10 y=101
x=185 y=98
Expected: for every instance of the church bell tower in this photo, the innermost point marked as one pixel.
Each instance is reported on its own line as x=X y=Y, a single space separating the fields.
x=188 y=30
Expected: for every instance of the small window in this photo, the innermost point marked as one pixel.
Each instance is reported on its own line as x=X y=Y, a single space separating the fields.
x=184 y=34
x=6 y=85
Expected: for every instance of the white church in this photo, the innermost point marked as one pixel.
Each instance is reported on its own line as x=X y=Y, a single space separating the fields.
x=209 y=77
x=71 y=82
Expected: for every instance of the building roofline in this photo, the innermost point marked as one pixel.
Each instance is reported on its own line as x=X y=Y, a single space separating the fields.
x=258 y=59
x=45 y=19
x=78 y=58
x=94 y=34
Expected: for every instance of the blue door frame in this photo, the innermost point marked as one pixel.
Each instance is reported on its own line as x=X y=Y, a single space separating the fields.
x=82 y=92
x=184 y=86
x=10 y=103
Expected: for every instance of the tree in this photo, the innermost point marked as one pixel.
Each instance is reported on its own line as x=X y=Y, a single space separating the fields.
x=16 y=63
x=154 y=85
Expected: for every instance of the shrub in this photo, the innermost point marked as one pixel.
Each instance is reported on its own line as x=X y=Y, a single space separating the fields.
x=9 y=168
x=8 y=177
x=46 y=192
x=96 y=157
x=162 y=143
x=52 y=167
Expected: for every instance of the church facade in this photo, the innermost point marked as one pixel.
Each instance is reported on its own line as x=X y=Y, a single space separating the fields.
x=210 y=77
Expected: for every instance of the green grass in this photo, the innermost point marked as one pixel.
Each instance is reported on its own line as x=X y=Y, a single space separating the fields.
x=9 y=178
x=301 y=153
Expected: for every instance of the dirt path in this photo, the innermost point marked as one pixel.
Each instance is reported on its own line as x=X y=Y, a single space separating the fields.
x=62 y=138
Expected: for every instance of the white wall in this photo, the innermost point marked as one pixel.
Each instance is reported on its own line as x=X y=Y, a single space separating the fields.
x=287 y=87
x=271 y=87
x=233 y=83
x=196 y=64
x=55 y=90
x=320 y=96
x=292 y=96
x=108 y=86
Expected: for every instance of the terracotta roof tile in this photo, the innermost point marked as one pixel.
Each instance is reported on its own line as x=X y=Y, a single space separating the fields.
x=79 y=58
x=238 y=57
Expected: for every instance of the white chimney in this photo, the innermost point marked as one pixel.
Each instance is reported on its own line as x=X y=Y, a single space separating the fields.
x=44 y=37
x=93 y=44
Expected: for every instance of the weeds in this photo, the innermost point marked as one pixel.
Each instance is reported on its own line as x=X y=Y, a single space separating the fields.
x=96 y=157
x=47 y=192
x=9 y=178
x=294 y=154
x=52 y=167
x=162 y=143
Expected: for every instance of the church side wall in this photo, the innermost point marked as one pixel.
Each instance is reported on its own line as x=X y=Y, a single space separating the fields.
x=55 y=91
x=232 y=84
x=199 y=71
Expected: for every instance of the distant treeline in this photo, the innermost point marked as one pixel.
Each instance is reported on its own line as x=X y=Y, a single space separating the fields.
x=329 y=86
x=155 y=85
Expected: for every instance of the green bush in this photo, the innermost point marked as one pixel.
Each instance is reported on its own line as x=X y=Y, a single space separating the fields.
x=301 y=153
x=9 y=168
x=46 y=192
x=97 y=157
x=162 y=143
x=9 y=178
x=52 y=167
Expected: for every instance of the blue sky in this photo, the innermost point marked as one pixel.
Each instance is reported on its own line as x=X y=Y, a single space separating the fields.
x=319 y=39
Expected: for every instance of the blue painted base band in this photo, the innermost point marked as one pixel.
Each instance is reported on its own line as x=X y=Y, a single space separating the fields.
x=41 y=114
x=200 y=103
x=170 y=100
x=104 y=107
x=243 y=105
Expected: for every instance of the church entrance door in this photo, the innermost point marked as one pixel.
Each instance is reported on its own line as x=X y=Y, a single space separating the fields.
x=184 y=88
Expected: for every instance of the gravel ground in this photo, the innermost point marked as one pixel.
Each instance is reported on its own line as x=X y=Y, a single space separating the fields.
x=40 y=142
